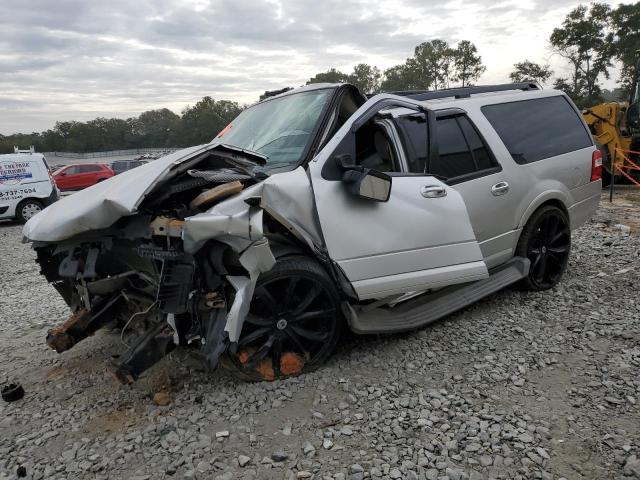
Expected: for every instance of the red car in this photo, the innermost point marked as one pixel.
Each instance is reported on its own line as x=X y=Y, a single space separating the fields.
x=77 y=177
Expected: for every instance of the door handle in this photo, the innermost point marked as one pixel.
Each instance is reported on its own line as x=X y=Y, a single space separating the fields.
x=500 y=188
x=433 y=191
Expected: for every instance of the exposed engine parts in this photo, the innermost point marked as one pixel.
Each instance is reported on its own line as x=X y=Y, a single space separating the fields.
x=181 y=271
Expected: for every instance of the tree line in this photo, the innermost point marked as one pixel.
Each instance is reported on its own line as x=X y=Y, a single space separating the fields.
x=590 y=39
x=154 y=128
x=434 y=65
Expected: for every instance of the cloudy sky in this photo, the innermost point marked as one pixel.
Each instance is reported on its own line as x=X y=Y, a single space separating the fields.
x=78 y=59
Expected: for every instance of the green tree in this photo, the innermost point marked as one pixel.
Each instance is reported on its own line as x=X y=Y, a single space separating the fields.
x=615 y=95
x=585 y=40
x=572 y=89
x=156 y=128
x=205 y=119
x=432 y=64
x=330 y=76
x=399 y=77
x=467 y=63
x=528 y=71
x=366 y=78
x=626 y=27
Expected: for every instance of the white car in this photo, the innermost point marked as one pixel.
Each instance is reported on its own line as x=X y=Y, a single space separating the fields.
x=318 y=209
x=26 y=186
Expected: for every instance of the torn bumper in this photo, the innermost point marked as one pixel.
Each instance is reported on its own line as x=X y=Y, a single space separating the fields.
x=167 y=276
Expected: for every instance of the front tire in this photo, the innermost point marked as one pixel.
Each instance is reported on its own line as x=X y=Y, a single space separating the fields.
x=546 y=242
x=27 y=209
x=293 y=324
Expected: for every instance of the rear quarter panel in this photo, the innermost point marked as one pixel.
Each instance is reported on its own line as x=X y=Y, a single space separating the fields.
x=564 y=178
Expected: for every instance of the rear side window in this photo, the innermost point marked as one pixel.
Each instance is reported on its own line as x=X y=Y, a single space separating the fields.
x=89 y=168
x=455 y=158
x=462 y=153
x=536 y=129
x=477 y=147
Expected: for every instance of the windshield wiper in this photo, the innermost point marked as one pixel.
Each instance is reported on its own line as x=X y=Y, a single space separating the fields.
x=242 y=156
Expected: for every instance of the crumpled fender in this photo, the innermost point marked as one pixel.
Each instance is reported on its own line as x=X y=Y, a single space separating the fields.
x=238 y=221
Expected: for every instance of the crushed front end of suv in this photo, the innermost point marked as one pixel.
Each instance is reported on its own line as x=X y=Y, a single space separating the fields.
x=313 y=210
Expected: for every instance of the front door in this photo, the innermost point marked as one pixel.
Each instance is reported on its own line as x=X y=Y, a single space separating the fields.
x=68 y=177
x=420 y=238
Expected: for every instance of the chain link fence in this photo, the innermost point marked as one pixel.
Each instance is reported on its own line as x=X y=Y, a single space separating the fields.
x=111 y=153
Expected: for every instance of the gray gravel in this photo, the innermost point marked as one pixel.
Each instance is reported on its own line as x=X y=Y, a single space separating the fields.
x=518 y=386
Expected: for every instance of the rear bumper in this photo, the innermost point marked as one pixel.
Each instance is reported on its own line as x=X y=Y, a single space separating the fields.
x=582 y=211
x=54 y=197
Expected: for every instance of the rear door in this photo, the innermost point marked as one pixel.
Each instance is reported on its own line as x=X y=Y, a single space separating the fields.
x=88 y=175
x=487 y=187
x=420 y=238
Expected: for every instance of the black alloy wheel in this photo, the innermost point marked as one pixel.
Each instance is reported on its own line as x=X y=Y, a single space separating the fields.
x=546 y=242
x=293 y=323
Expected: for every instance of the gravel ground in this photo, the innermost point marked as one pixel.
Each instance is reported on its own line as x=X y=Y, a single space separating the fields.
x=520 y=385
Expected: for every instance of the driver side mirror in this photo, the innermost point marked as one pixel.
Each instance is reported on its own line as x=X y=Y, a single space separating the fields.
x=364 y=182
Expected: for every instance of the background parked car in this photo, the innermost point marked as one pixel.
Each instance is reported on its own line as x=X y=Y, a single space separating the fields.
x=76 y=177
x=120 y=166
x=26 y=186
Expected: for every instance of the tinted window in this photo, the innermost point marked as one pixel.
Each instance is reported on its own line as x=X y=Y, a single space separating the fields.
x=72 y=170
x=455 y=159
x=119 y=166
x=478 y=148
x=413 y=131
x=89 y=168
x=536 y=129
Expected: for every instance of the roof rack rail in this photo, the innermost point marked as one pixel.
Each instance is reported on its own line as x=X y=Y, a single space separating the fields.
x=465 y=92
x=273 y=93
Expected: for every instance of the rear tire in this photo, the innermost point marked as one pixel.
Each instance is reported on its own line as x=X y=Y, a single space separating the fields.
x=27 y=209
x=546 y=242
x=293 y=324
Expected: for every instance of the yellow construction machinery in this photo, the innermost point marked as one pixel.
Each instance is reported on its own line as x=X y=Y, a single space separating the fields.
x=616 y=128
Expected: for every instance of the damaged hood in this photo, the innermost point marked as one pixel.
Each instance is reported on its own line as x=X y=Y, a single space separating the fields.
x=286 y=196
x=103 y=204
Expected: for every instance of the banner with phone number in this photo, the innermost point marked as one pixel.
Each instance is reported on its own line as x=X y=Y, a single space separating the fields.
x=13 y=173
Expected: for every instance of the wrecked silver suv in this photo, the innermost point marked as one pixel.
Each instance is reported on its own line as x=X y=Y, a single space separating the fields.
x=318 y=206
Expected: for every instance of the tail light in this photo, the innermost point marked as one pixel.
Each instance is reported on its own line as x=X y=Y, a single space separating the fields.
x=596 y=165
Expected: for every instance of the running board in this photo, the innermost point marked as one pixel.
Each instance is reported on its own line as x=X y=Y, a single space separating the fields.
x=430 y=307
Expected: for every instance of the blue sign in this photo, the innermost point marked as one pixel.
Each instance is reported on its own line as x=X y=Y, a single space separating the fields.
x=16 y=176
